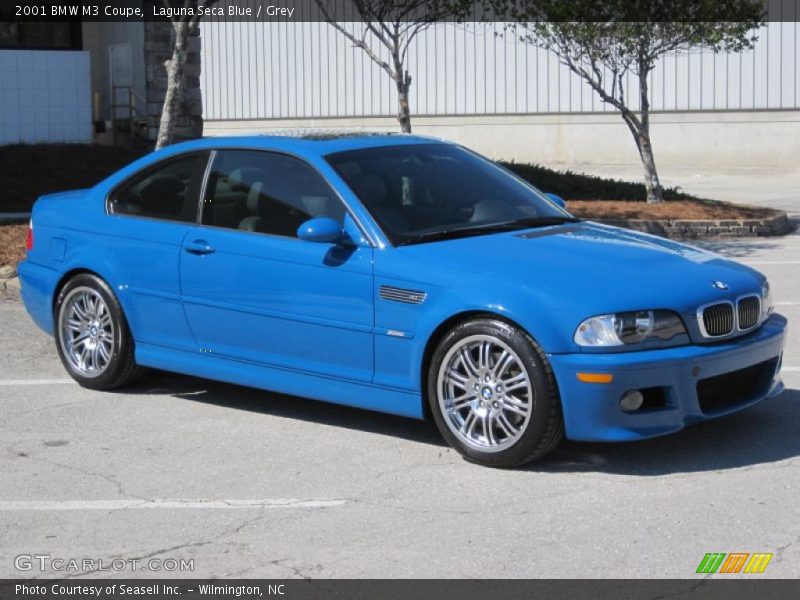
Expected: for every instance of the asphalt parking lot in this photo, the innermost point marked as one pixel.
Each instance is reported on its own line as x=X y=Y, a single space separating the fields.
x=246 y=483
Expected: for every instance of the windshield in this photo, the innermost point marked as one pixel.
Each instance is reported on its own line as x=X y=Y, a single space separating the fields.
x=428 y=192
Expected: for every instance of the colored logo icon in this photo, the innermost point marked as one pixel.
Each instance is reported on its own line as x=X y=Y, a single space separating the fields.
x=735 y=562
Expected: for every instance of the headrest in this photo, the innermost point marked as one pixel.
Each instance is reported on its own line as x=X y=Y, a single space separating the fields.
x=316 y=205
x=246 y=176
x=163 y=185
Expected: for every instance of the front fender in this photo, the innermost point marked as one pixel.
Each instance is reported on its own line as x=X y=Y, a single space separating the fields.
x=404 y=331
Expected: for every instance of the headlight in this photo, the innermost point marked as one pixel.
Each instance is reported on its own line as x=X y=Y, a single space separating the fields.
x=628 y=328
x=767 y=305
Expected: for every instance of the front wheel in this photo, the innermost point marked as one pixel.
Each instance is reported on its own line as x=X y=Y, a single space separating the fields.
x=92 y=335
x=493 y=396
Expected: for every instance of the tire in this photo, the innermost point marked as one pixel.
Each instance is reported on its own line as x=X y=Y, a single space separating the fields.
x=92 y=336
x=493 y=396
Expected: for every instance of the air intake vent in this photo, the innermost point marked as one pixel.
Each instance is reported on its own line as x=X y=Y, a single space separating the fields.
x=749 y=312
x=717 y=320
x=402 y=295
x=723 y=392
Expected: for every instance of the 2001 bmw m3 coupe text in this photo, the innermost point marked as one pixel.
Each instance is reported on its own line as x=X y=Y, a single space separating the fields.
x=401 y=274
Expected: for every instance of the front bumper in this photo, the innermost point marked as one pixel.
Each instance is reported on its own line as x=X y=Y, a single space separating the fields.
x=592 y=411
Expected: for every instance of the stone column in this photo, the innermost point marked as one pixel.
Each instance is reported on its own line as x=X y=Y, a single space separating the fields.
x=158 y=40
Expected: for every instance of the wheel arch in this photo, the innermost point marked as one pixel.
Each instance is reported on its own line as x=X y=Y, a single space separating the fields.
x=64 y=279
x=441 y=330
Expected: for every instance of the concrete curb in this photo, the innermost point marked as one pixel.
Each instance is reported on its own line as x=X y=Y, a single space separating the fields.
x=779 y=224
x=10 y=287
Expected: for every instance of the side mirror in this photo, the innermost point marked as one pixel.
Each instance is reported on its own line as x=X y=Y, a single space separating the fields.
x=321 y=229
x=557 y=199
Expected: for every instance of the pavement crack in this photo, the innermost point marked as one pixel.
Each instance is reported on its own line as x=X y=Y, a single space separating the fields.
x=108 y=478
x=137 y=559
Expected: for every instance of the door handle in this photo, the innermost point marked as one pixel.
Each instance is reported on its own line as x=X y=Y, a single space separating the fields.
x=199 y=247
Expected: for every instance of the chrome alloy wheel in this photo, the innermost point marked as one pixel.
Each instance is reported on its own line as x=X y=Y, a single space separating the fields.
x=86 y=332
x=484 y=393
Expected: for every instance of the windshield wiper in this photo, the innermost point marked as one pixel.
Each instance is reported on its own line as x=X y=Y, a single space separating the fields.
x=515 y=225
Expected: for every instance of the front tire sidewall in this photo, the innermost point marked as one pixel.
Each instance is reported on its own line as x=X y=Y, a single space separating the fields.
x=540 y=435
x=122 y=350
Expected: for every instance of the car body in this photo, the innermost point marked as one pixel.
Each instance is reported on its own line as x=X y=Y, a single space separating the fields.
x=358 y=323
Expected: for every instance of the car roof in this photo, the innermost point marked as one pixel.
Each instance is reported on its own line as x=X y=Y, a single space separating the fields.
x=309 y=142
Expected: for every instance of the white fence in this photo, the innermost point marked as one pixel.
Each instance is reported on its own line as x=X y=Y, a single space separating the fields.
x=309 y=70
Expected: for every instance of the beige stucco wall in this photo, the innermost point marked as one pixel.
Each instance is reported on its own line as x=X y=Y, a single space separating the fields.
x=697 y=139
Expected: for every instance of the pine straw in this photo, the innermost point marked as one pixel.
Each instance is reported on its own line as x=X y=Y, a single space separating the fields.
x=12 y=243
x=671 y=210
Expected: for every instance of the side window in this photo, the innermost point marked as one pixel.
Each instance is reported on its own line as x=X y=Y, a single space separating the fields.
x=167 y=191
x=266 y=193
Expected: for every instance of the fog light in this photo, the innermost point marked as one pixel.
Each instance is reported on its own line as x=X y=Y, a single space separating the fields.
x=631 y=401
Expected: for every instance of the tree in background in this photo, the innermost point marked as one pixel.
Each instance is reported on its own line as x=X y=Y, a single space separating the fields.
x=184 y=26
x=391 y=24
x=603 y=42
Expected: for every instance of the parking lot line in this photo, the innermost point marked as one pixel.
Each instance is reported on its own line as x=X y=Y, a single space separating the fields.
x=10 y=382
x=50 y=505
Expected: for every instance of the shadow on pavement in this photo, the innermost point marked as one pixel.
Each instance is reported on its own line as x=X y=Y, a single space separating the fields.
x=281 y=405
x=762 y=434
x=741 y=248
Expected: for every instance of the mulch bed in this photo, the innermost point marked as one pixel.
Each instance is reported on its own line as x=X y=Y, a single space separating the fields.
x=12 y=243
x=692 y=210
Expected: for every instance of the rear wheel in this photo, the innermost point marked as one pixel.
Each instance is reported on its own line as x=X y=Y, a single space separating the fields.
x=493 y=395
x=92 y=335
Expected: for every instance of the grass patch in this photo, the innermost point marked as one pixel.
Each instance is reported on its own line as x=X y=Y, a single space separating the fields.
x=32 y=170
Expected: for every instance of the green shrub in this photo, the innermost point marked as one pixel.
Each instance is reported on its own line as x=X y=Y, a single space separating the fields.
x=575 y=186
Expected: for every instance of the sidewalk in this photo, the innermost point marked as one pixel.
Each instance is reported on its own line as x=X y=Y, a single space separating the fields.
x=773 y=188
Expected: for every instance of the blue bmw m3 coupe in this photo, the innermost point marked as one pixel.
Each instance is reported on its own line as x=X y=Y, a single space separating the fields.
x=401 y=274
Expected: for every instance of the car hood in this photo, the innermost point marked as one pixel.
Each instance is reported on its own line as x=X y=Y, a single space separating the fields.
x=587 y=268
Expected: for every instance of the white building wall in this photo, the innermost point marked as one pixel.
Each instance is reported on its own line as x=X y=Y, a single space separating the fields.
x=478 y=85
x=45 y=96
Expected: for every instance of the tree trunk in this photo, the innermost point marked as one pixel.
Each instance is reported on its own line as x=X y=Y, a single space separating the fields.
x=403 y=109
x=651 y=181
x=642 y=133
x=174 y=94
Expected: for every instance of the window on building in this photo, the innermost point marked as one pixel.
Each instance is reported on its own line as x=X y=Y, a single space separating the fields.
x=266 y=192
x=167 y=191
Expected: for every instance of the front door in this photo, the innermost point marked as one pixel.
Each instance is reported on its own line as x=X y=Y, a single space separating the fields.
x=253 y=291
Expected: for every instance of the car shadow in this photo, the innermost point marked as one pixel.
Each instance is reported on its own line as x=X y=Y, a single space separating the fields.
x=762 y=434
x=282 y=405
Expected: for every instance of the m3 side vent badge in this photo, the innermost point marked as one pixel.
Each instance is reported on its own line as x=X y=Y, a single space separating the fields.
x=388 y=292
x=720 y=285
